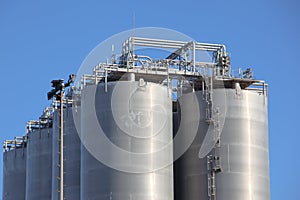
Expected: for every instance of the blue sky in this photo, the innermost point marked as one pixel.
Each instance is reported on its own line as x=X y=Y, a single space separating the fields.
x=44 y=40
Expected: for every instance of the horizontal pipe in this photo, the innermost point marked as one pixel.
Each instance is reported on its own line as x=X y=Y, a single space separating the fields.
x=136 y=39
x=174 y=45
x=178 y=44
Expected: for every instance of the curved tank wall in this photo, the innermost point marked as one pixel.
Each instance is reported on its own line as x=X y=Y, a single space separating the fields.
x=99 y=181
x=14 y=174
x=39 y=164
x=71 y=156
x=243 y=152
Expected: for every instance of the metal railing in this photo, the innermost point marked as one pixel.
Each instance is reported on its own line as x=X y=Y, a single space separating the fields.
x=17 y=142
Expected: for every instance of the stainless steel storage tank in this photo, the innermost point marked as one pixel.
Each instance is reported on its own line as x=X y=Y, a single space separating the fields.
x=140 y=132
x=243 y=152
x=71 y=156
x=39 y=164
x=14 y=173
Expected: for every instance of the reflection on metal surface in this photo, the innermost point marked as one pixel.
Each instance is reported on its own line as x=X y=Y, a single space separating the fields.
x=39 y=164
x=14 y=170
x=243 y=153
x=107 y=182
x=72 y=156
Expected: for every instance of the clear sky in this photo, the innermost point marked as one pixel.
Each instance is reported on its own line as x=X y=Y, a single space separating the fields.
x=44 y=40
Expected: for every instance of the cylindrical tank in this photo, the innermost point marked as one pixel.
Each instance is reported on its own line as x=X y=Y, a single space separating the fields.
x=39 y=164
x=142 y=131
x=71 y=156
x=243 y=152
x=14 y=174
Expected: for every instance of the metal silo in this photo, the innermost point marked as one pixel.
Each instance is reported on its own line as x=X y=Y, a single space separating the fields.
x=238 y=166
x=39 y=158
x=137 y=98
x=71 y=156
x=14 y=169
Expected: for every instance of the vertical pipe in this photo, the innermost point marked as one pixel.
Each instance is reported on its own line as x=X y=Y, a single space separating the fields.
x=168 y=78
x=96 y=80
x=61 y=146
x=105 y=80
x=194 y=57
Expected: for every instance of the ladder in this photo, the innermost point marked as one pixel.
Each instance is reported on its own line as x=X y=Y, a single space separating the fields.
x=212 y=118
